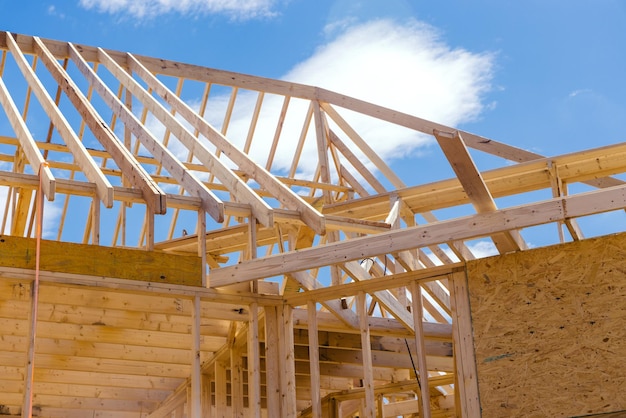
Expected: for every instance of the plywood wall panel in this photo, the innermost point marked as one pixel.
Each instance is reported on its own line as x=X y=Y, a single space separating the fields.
x=549 y=329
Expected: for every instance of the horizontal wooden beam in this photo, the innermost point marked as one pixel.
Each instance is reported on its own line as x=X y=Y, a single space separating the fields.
x=528 y=176
x=92 y=260
x=474 y=226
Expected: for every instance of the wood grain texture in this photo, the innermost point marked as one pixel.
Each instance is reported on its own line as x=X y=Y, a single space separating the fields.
x=549 y=329
x=130 y=264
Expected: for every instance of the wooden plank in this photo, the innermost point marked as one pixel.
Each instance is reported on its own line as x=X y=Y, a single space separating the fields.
x=364 y=147
x=254 y=363
x=210 y=203
x=283 y=194
x=314 y=359
x=136 y=290
x=237 y=187
x=472 y=181
x=27 y=143
x=464 y=347
x=417 y=309
x=220 y=390
x=195 y=404
x=504 y=181
x=322 y=148
x=132 y=170
x=272 y=363
x=467 y=227
x=128 y=264
x=287 y=364
x=366 y=351
x=82 y=158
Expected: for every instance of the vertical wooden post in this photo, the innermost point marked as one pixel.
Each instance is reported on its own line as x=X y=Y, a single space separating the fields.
x=27 y=408
x=254 y=363
x=314 y=361
x=236 y=382
x=418 y=313
x=149 y=227
x=220 y=390
x=272 y=362
x=196 y=372
x=201 y=232
x=288 y=364
x=206 y=396
x=366 y=350
x=252 y=248
x=463 y=342
x=95 y=222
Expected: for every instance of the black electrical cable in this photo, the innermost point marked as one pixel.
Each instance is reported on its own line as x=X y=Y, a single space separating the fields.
x=419 y=385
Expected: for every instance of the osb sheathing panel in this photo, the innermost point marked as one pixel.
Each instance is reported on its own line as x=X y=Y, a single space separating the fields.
x=550 y=329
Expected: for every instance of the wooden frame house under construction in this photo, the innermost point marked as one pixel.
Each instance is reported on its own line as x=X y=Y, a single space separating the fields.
x=179 y=241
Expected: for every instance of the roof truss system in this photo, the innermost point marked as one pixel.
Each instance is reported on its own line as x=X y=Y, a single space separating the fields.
x=223 y=242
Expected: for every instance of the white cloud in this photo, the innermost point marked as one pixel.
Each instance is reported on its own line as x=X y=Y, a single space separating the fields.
x=52 y=11
x=406 y=67
x=402 y=66
x=239 y=9
x=482 y=249
x=579 y=92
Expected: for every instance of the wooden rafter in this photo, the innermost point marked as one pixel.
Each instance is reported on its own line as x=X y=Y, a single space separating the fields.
x=324 y=271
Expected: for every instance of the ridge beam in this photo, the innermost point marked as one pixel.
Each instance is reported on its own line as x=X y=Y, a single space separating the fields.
x=472 y=181
x=82 y=157
x=309 y=215
x=237 y=187
x=154 y=197
x=210 y=203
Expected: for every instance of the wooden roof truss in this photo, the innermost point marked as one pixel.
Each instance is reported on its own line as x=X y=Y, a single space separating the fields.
x=333 y=287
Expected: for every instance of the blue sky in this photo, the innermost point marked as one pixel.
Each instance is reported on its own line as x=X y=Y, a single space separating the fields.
x=547 y=76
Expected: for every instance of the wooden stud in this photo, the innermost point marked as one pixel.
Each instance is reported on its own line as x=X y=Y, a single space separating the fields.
x=316 y=399
x=418 y=312
x=366 y=350
x=196 y=378
x=463 y=343
x=221 y=382
x=273 y=376
x=254 y=363
x=287 y=364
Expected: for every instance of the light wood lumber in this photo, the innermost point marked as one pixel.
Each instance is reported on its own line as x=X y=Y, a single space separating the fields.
x=87 y=164
x=33 y=155
x=464 y=355
x=132 y=170
x=463 y=228
x=417 y=309
x=313 y=342
x=282 y=193
x=210 y=203
x=466 y=171
x=238 y=188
